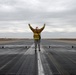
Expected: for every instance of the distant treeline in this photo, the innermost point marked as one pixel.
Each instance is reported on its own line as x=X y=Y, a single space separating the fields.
x=13 y=38
x=42 y=38
x=73 y=39
x=68 y=39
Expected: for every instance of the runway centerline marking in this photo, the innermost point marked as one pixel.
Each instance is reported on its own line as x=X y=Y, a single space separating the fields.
x=31 y=51
x=40 y=67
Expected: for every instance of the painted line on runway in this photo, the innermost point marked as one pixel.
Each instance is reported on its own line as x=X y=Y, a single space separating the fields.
x=59 y=68
x=70 y=59
x=73 y=61
x=49 y=72
x=30 y=50
x=7 y=63
x=40 y=67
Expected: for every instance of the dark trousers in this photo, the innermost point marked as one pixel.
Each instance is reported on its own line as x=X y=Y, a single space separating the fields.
x=37 y=43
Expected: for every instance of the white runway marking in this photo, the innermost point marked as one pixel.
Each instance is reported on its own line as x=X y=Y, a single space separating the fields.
x=31 y=51
x=47 y=65
x=7 y=63
x=40 y=67
x=13 y=46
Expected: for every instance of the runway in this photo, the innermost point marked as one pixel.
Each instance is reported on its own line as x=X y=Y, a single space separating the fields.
x=55 y=58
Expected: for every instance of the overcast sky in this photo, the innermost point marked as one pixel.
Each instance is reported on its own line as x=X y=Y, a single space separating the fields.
x=59 y=16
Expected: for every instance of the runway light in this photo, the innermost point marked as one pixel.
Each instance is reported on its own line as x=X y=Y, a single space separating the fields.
x=25 y=46
x=2 y=46
x=72 y=46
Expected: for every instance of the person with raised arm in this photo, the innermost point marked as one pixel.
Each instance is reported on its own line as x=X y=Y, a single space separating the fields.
x=36 y=35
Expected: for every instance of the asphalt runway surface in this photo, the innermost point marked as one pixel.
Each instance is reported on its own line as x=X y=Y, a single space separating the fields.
x=55 y=58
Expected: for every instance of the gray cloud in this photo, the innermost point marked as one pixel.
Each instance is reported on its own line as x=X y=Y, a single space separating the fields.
x=59 y=15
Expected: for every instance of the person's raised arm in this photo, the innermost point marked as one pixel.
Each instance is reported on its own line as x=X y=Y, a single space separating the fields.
x=31 y=27
x=42 y=28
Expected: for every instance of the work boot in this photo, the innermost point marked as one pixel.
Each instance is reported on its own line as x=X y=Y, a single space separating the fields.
x=39 y=50
x=35 y=50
